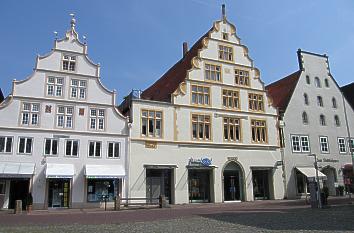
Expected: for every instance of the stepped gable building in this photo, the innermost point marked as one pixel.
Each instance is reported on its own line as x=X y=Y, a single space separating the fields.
x=314 y=117
x=61 y=137
x=206 y=130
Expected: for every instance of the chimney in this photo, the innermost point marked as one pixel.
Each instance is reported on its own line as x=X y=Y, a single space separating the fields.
x=185 y=48
x=223 y=12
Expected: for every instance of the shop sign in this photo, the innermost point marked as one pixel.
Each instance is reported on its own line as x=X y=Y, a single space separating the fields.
x=205 y=162
x=324 y=160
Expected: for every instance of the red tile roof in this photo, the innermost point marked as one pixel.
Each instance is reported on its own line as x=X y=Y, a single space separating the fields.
x=282 y=90
x=163 y=88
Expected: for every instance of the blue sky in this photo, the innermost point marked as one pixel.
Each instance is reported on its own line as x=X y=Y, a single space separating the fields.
x=137 y=41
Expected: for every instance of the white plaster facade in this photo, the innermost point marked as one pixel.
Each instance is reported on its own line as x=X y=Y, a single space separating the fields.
x=114 y=126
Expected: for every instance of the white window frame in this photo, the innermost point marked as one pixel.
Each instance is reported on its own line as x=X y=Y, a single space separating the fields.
x=25 y=145
x=114 y=150
x=97 y=119
x=351 y=149
x=298 y=145
x=94 y=149
x=71 y=61
x=212 y=72
x=323 y=143
x=51 y=147
x=302 y=146
x=72 y=148
x=56 y=85
x=65 y=116
x=154 y=116
x=342 y=146
x=6 y=139
x=79 y=87
x=30 y=113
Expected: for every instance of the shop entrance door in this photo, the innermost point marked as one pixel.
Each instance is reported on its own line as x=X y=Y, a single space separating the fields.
x=18 y=191
x=260 y=184
x=58 y=193
x=233 y=182
x=158 y=182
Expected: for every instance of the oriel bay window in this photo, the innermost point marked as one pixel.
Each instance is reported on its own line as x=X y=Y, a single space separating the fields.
x=255 y=102
x=72 y=148
x=232 y=129
x=242 y=77
x=30 y=114
x=51 y=147
x=95 y=149
x=226 y=53
x=230 y=99
x=6 y=144
x=212 y=72
x=201 y=127
x=259 y=131
x=55 y=86
x=151 y=123
x=65 y=117
x=97 y=119
x=200 y=95
x=25 y=145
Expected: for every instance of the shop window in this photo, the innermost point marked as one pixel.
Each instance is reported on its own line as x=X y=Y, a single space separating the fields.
x=25 y=145
x=69 y=63
x=72 y=148
x=151 y=123
x=324 y=145
x=259 y=131
x=201 y=127
x=232 y=129
x=95 y=149
x=341 y=145
x=30 y=114
x=78 y=89
x=51 y=147
x=226 y=53
x=100 y=189
x=65 y=117
x=97 y=119
x=6 y=144
x=255 y=102
x=212 y=72
x=55 y=86
x=231 y=99
x=242 y=77
x=113 y=149
x=200 y=95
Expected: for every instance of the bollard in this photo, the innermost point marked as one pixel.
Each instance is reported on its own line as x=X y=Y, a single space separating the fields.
x=18 y=207
x=117 y=203
x=162 y=201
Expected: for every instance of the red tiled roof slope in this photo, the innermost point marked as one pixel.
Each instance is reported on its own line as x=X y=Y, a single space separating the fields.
x=163 y=88
x=282 y=90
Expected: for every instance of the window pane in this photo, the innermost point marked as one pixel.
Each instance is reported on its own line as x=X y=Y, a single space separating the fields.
x=144 y=126
x=2 y=144
x=47 y=146
x=110 y=149
x=29 y=146
x=75 y=148
x=98 y=149
x=54 y=147
x=92 y=149
x=21 y=147
x=68 y=147
x=116 y=150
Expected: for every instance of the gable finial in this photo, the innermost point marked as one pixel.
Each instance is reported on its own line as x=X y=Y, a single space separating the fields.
x=223 y=11
x=56 y=35
x=73 y=21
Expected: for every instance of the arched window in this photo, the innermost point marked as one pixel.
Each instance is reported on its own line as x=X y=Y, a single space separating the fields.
x=305 y=118
x=334 y=102
x=317 y=82
x=336 y=120
x=306 y=99
x=326 y=83
x=322 y=120
x=319 y=101
x=307 y=79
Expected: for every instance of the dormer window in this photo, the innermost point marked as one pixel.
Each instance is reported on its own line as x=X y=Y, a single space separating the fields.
x=69 y=63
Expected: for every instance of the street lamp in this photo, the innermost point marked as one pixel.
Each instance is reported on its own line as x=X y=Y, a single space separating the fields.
x=318 y=181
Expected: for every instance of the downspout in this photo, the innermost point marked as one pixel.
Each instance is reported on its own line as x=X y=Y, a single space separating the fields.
x=127 y=160
x=282 y=145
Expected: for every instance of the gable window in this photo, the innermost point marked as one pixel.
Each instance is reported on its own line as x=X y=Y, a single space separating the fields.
x=242 y=77
x=326 y=83
x=334 y=102
x=25 y=145
x=65 y=117
x=30 y=114
x=306 y=99
x=6 y=144
x=319 y=101
x=305 y=119
x=230 y=99
x=307 y=79
x=336 y=120
x=113 y=150
x=55 y=86
x=225 y=36
x=97 y=119
x=232 y=129
x=300 y=143
x=51 y=147
x=255 y=102
x=200 y=95
x=341 y=145
x=225 y=53
x=72 y=148
x=259 y=131
x=151 y=123
x=212 y=72
x=78 y=89
x=201 y=126
x=322 y=120
x=317 y=82
x=69 y=63
x=95 y=149
x=324 y=145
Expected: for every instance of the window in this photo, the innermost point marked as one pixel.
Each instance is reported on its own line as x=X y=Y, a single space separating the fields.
x=336 y=121
x=232 y=129
x=300 y=143
x=151 y=123
x=225 y=53
x=317 y=82
x=319 y=101
x=322 y=120
x=69 y=62
x=55 y=86
x=72 y=148
x=305 y=119
x=225 y=36
x=351 y=145
x=65 y=117
x=324 y=145
x=97 y=119
x=113 y=150
x=78 y=89
x=25 y=145
x=200 y=95
x=341 y=145
x=212 y=72
x=326 y=83
x=306 y=99
x=30 y=114
x=259 y=131
x=230 y=99
x=6 y=144
x=51 y=147
x=334 y=102
x=242 y=77
x=98 y=188
x=95 y=149
x=307 y=79
x=201 y=127
x=255 y=102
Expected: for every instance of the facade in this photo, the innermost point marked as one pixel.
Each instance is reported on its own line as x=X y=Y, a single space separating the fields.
x=206 y=130
x=61 y=137
x=317 y=121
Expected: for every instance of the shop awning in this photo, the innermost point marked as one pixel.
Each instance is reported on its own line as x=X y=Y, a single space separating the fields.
x=310 y=172
x=160 y=166
x=104 y=171
x=55 y=170
x=16 y=170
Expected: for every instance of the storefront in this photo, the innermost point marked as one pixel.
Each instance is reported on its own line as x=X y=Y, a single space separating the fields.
x=233 y=178
x=262 y=183
x=302 y=175
x=59 y=182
